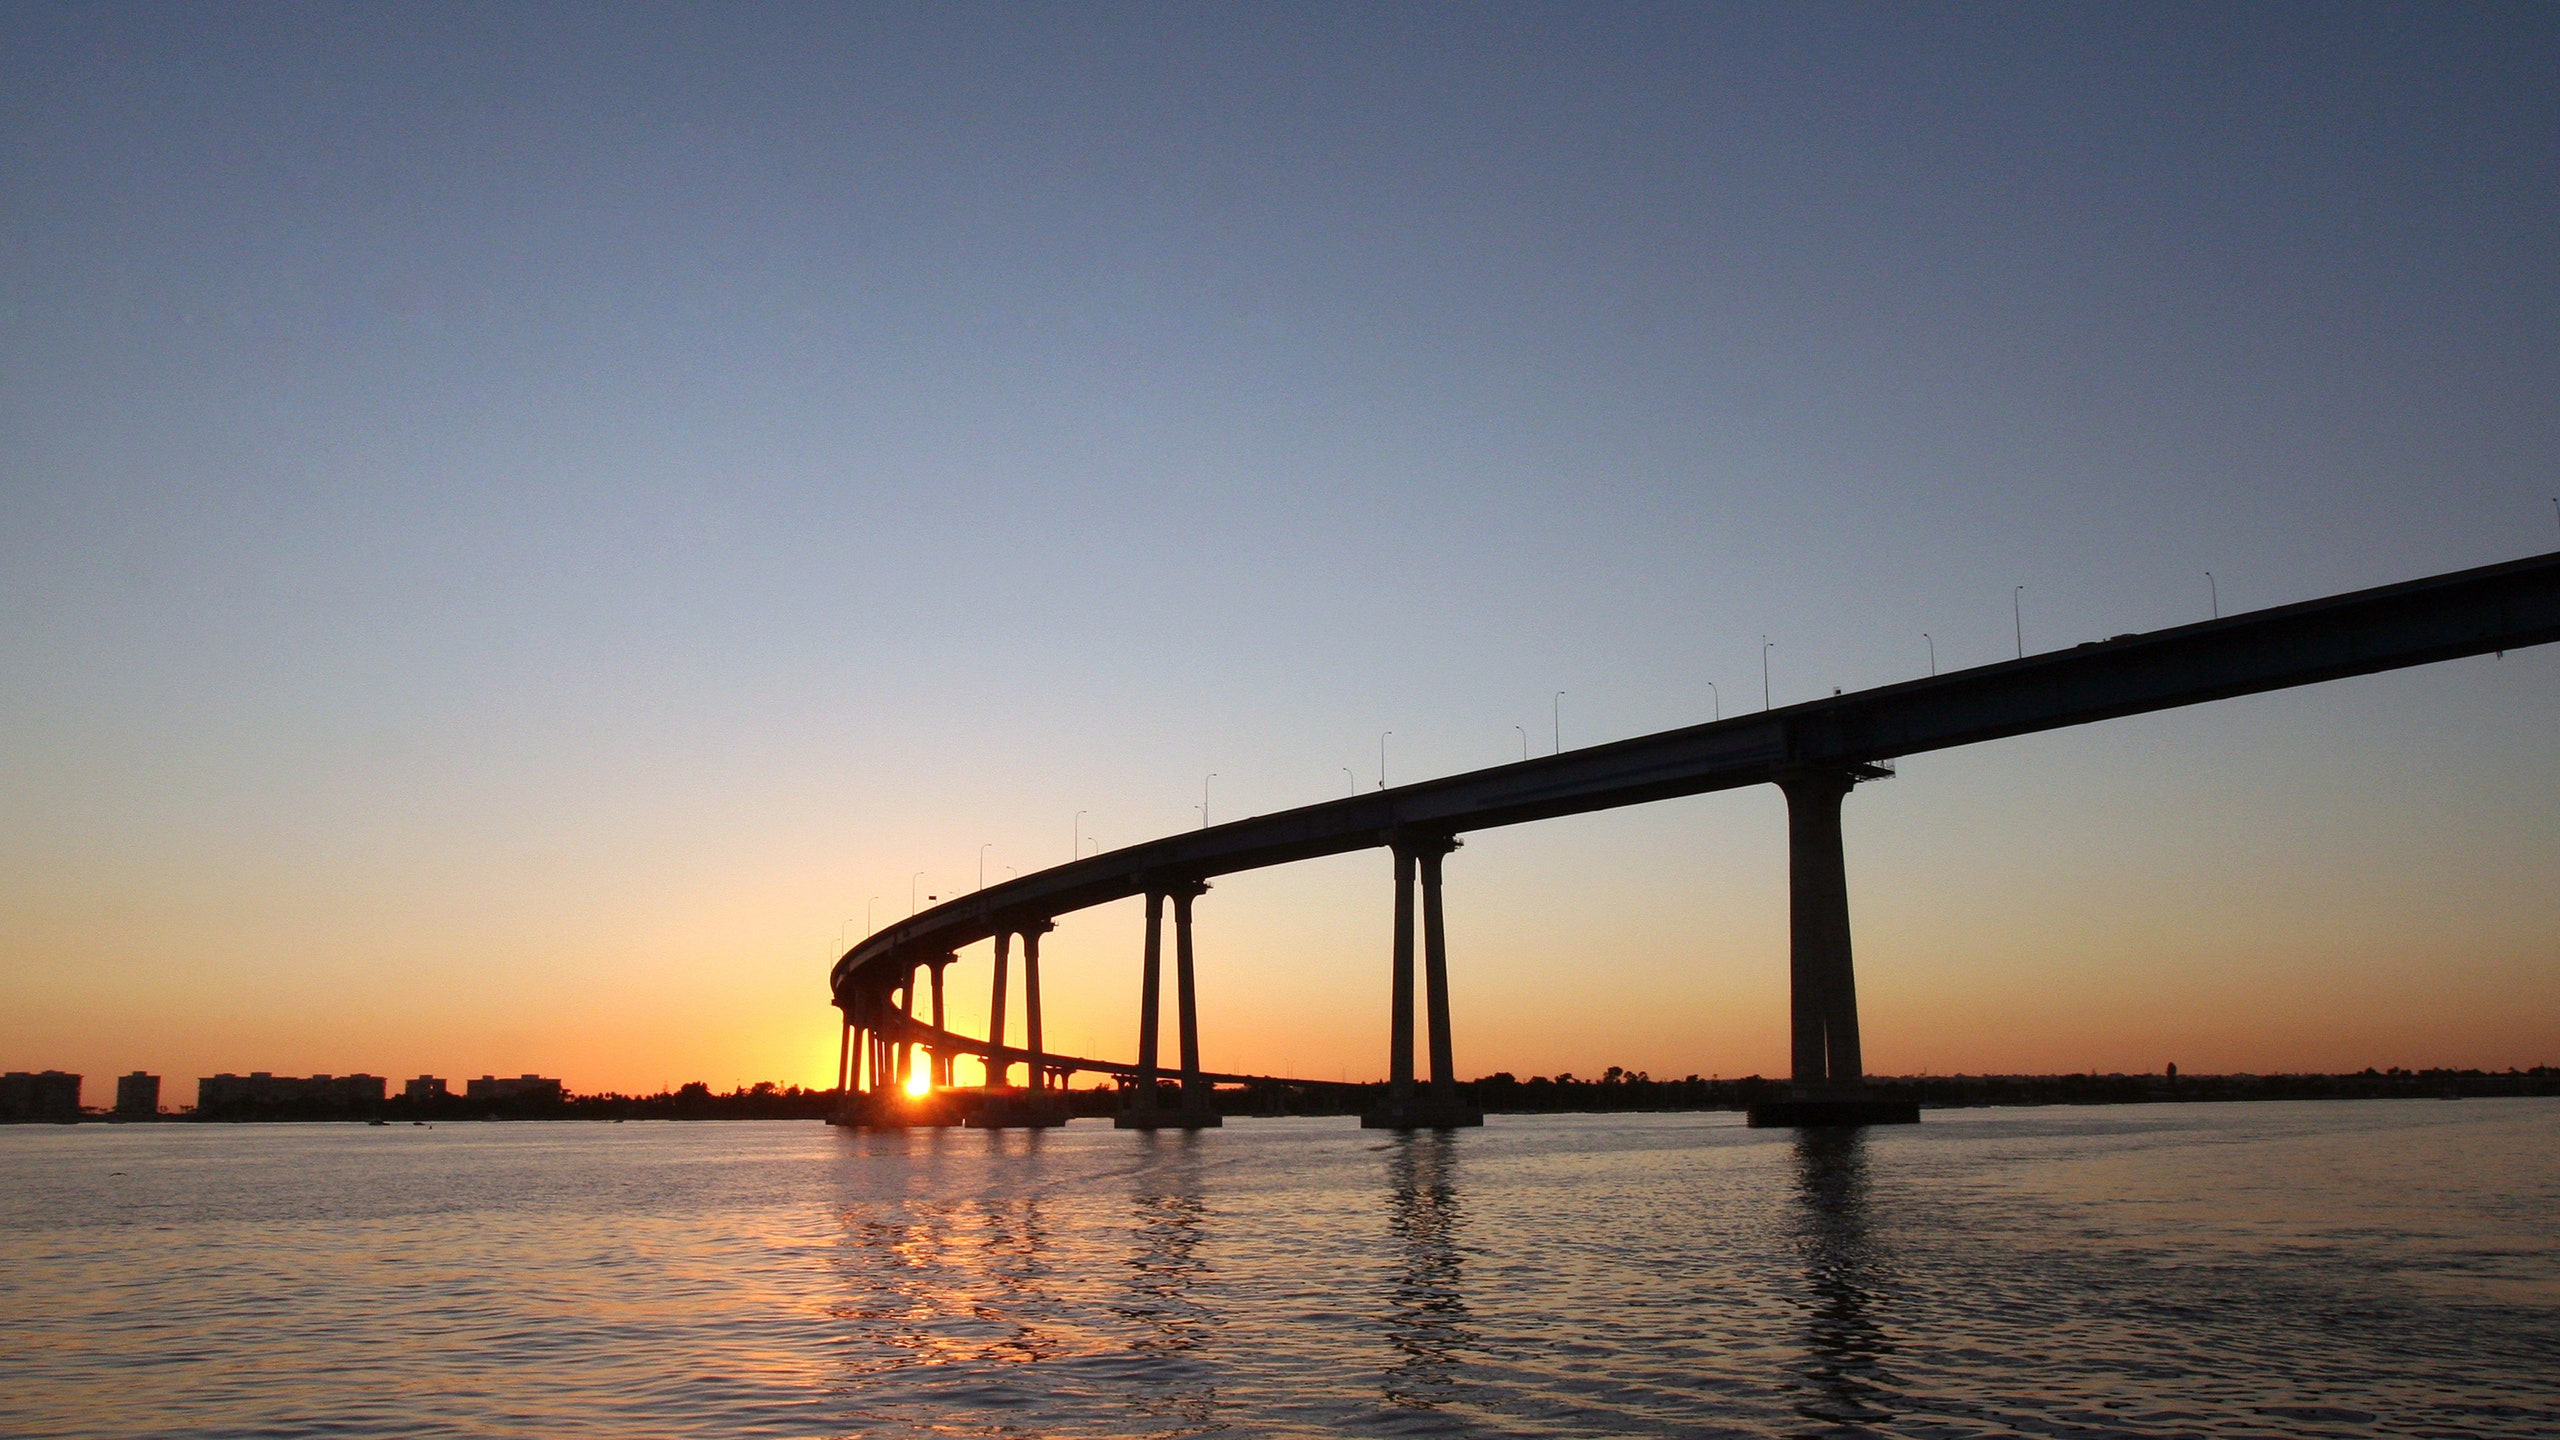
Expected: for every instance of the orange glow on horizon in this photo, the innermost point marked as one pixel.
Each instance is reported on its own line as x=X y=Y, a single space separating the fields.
x=920 y=1076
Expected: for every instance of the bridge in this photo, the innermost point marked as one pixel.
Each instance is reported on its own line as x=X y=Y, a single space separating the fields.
x=1815 y=753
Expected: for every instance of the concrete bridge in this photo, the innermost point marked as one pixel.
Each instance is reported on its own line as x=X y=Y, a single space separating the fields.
x=1816 y=753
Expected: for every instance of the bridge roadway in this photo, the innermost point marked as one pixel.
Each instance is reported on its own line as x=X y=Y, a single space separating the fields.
x=1807 y=749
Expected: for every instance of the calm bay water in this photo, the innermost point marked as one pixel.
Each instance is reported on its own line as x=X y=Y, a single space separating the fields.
x=2280 y=1270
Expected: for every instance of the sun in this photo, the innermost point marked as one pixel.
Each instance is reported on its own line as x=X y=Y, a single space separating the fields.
x=920 y=1077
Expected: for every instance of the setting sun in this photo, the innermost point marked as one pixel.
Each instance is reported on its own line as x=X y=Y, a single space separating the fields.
x=920 y=1076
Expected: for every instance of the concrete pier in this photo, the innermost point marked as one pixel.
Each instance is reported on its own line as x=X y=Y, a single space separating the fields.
x=1031 y=933
x=1829 y=1080
x=1144 y=1109
x=998 y=1071
x=1405 y=1108
x=942 y=1079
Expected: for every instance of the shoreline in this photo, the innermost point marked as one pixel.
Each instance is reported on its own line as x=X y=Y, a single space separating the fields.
x=1499 y=1094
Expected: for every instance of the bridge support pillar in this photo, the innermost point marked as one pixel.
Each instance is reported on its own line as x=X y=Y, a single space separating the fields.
x=999 y=1072
x=1441 y=1108
x=906 y=1046
x=942 y=1056
x=884 y=1056
x=1196 y=1110
x=999 y=1106
x=1039 y=1067
x=1828 y=1073
x=1150 y=985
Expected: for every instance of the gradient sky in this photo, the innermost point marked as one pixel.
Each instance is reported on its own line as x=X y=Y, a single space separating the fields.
x=517 y=523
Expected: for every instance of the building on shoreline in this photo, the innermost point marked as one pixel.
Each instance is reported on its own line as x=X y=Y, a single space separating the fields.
x=533 y=1088
x=137 y=1096
x=46 y=1095
x=424 y=1088
x=259 y=1090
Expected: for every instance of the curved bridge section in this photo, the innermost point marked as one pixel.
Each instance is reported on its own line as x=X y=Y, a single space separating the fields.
x=1815 y=752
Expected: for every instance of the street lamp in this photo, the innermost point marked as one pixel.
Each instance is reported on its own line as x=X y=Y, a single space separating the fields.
x=1075 y=845
x=1524 y=740
x=1354 y=779
x=869 y=925
x=1716 y=696
x=1933 y=651
x=911 y=894
x=982 y=863
x=1204 y=798
x=2213 y=593
x=1764 y=672
x=2018 y=616
x=1558 y=706
x=1382 y=757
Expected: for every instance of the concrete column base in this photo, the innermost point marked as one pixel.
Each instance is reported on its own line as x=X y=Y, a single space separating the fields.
x=1422 y=1113
x=1785 y=1114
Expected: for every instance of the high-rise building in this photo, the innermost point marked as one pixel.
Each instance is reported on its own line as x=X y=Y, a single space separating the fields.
x=39 y=1095
x=425 y=1087
x=137 y=1096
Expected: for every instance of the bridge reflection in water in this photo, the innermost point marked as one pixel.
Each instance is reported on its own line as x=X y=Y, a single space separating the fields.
x=1815 y=753
x=1170 y=1321
x=1427 y=1319
x=1438 y=1283
x=1841 y=1379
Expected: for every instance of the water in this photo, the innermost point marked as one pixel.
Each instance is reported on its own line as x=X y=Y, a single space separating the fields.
x=2234 y=1270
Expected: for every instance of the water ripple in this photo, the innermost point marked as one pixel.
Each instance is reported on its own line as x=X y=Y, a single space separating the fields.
x=2230 y=1271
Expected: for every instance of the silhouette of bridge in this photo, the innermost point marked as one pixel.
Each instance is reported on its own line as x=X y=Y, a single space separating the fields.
x=1815 y=753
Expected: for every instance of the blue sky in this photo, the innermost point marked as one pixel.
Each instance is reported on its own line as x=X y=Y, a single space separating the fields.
x=515 y=524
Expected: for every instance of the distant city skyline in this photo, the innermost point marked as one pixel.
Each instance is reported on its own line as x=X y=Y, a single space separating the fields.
x=524 y=532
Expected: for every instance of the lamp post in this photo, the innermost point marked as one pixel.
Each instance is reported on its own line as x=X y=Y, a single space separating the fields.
x=1353 y=779
x=1524 y=740
x=1557 y=705
x=1764 y=673
x=869 y=925
x=1204 y=798
x=1933 y=651
x=1075 y=846
x=1717 y=697
x=982 y=863
x=2018 y=616
x=1382 y=757
x=2213 y=594
x=911 y=894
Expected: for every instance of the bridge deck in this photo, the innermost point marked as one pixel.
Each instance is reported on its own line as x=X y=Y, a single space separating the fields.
x=2444 y=617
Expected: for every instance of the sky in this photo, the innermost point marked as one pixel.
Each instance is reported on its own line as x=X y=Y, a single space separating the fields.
x=525 y=530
